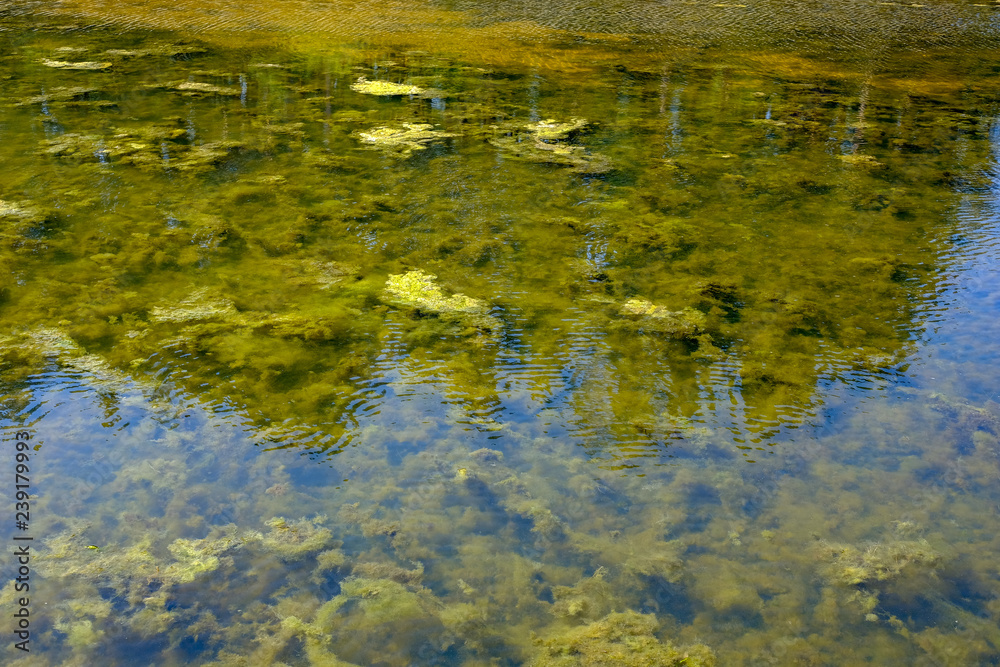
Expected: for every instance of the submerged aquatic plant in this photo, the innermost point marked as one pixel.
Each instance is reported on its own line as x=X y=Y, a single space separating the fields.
x=878 y=562
x=617 y=640
x=547 y=142
x=686 y=323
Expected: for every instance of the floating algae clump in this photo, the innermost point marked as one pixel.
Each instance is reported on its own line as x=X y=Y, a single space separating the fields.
x=545 y=142
x=617 y=640
x=553 y=130
x=416 y=289
x=384 y=88
x=685 y=323
x=404 y=139
x=85 y=65
x=205 y=88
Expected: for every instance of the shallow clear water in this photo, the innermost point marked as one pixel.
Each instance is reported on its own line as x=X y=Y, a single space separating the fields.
x=614 y=334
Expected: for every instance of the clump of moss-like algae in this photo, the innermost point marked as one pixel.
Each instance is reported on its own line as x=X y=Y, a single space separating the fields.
x=404 y=139
x=617 y=640
x=384 y=88
x=419 y=291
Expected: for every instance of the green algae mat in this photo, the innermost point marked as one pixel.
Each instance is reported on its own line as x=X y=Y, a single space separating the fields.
x=492 y=334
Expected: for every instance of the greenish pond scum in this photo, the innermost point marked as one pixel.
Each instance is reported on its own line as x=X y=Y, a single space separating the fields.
x=624 y=347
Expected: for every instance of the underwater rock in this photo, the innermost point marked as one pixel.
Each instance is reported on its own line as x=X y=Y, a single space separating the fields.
x=405 y=139
x=83 y=65
x=686 y=323
x=384 y=88
x=617 y=640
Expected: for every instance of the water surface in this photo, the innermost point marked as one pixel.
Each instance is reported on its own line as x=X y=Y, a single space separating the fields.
x=615 y=335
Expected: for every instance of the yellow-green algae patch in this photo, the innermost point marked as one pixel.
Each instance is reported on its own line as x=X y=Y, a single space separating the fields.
x=552 y=130
x=626 y=639
x=147 y=148
x=384 y=88
x=196 y=307
x=80 y=65
x=418 y=290
x=292 y=540
x=21 y=212
x=547 y=142
x=201 y=87
x=878 y=561
x=403 y=139
x=686 y=323
x=58 y=95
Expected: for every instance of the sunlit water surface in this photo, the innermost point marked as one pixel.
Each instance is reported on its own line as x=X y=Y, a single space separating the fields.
x=636 y=333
